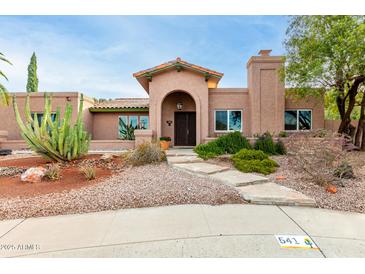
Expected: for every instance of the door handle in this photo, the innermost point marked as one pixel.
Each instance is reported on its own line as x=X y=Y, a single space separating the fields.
x=188 y=131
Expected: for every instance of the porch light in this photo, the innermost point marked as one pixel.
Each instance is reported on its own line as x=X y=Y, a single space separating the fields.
x=179 y=106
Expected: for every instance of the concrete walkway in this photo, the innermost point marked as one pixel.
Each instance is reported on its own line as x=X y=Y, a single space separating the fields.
x=186 y=231
x=254 y=188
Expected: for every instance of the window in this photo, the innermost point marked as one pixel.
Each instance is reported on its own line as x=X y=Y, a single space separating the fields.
x=133 y=121
x=40 y=116
x=228 y=120
x=143 y=122
x=123 y=120
x=300 y=119
x=221 y=122
x=137 y=122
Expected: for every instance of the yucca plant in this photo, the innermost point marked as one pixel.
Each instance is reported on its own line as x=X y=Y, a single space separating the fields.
x=126 y=132
x=54 y=139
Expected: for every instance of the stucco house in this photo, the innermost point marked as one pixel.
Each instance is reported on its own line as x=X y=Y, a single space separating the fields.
x=185 y=103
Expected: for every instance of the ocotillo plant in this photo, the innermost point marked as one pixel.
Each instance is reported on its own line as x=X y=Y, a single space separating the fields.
x=54 y=139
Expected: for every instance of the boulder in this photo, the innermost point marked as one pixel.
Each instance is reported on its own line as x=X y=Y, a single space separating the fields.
x=107 y=157
x=33 y=174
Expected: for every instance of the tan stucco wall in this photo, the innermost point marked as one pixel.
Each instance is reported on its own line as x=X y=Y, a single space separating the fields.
x=266 y=94
x=316 y=104
x=263 y=103
x=229 y=98
x=169 y=109
x=190 y=82
x=105 y=124
x=87 y=115
x=7 y=115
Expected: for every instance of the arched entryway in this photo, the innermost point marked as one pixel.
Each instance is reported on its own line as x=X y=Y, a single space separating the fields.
x=179 y=119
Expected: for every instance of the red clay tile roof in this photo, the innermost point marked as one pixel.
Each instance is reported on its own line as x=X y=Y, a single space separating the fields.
x=175 y=62
x=123 y=103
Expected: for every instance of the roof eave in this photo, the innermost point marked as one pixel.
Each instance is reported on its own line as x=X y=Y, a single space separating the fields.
x=147 y=73
x=131 y=109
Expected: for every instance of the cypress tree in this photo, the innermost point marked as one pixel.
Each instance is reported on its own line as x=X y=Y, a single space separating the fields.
x=32 y=83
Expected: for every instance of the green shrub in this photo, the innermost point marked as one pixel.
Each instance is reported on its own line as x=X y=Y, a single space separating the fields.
x=265 y=167
x=230 y=143
x=209 y=150
x=283 y=134
x=146 y=153
x=280 y=148
x=248 y=160
x=233 y=142
x=265 y=143
x=249 y=154
x=167 y=139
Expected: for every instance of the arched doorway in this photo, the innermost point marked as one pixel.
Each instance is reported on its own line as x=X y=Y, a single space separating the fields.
x=178 y=118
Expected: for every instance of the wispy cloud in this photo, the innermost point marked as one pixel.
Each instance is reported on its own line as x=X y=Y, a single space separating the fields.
x=98 y=54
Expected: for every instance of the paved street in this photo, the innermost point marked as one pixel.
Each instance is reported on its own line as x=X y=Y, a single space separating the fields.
x=186 y=231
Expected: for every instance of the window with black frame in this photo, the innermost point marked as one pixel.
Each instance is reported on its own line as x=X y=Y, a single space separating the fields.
x=228 y=120
x=298 y=119
x=40 y=116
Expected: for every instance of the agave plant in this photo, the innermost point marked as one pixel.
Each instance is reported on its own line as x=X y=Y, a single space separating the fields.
x=4 y=95
x=126 y=132
x=54 y=139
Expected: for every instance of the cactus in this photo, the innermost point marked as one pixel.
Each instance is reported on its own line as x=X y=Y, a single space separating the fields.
x=55 y=140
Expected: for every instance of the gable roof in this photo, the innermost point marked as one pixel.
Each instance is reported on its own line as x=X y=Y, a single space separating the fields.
x=121 y=105
x=175 y=63
x=144 y=76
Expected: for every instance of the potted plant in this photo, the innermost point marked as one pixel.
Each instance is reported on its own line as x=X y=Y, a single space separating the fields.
x=165 y=142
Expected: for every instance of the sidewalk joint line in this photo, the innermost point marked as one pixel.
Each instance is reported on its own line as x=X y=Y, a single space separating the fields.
x=11 y=229
x=320 y=250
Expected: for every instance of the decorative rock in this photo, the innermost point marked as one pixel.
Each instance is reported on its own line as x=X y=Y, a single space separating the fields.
x=107 y=157
x=33 y=175
x=331 y=189
x=280 y=178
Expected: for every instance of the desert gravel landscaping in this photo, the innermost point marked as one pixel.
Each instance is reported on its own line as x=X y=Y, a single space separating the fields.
x=350 y=197
x=143 y=186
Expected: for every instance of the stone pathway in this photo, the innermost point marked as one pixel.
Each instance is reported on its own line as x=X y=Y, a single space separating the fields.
x=254 y=188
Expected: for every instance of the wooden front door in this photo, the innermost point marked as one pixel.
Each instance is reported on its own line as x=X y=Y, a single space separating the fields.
x=185 y=129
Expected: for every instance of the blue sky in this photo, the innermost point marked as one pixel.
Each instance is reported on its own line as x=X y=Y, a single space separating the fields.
x=97 y=55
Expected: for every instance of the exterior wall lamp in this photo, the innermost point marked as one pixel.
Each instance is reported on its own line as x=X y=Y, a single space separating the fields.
x=179 y=106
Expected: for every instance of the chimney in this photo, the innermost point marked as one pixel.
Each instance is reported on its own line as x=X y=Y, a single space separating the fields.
x=265 y=52
x=266 y=93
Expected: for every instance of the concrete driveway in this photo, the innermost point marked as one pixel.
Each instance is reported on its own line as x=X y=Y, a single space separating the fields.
x=185 y=231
